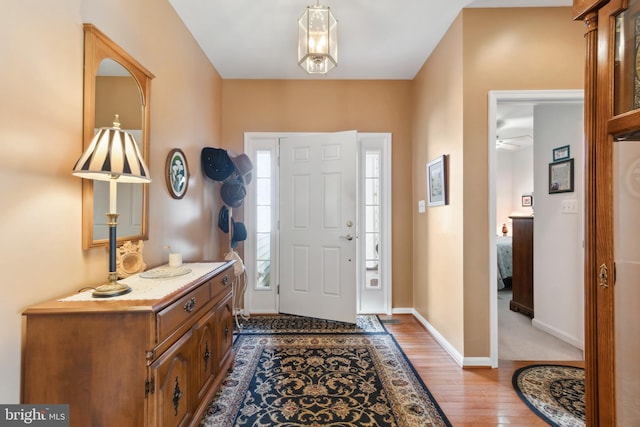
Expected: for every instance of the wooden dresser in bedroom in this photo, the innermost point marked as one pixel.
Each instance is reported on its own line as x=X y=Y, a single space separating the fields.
x=522 y=278
x=133 y=362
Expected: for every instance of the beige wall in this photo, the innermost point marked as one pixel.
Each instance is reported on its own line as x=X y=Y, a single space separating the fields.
x=41 y=46
x=328 y=106
x=501 y=49
x=438 y=233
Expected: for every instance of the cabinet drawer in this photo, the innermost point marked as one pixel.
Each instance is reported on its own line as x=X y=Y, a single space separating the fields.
x=182 y=310
x=221 y=282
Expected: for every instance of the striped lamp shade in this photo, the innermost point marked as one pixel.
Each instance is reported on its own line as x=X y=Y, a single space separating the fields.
x=112 y=154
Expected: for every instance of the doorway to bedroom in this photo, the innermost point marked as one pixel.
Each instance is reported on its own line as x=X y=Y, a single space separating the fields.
x=542 y=320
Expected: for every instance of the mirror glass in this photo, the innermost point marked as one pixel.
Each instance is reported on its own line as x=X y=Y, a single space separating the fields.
x=117 y=93
x=114 y=83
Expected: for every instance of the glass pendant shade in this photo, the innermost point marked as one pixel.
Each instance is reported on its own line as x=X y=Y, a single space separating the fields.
x=317 y=40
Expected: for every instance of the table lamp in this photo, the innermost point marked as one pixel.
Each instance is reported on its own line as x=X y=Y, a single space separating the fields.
x=112 y=156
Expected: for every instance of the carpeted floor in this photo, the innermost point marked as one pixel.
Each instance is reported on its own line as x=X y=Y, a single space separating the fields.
x=322 y=379
x=554 y=392
x=518 y=339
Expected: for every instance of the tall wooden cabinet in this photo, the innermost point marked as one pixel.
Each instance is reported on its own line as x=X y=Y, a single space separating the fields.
x=522 y=275
x=128 y=362
x=612 y=251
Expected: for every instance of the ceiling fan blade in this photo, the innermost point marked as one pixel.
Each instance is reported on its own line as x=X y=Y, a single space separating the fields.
x=514 y=143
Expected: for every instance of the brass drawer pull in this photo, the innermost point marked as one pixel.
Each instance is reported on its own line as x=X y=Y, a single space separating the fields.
x=225 y=279
x=190 y=305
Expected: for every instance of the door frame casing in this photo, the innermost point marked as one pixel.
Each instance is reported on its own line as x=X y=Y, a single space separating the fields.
x=261 y=301
x=265 y=301
x=381 y=141
x=495 y=97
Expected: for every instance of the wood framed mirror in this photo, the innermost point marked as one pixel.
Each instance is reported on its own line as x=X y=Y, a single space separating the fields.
x=114 y=83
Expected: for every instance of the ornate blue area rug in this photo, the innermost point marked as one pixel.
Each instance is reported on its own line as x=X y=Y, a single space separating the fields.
x=290 y=324
x=322 y=380
x=554 y=392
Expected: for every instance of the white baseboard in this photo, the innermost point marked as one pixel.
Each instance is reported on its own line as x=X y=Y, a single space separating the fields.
x=267 y=311
x=403 y=310
x=464 y=362
x=455 y=354
x=476 y=362
x=558 y=334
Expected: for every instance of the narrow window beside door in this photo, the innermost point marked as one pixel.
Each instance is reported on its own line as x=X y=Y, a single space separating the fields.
x=372 y=218
x=263 y=224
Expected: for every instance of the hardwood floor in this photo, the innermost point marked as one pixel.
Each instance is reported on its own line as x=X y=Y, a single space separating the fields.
x=478 y=397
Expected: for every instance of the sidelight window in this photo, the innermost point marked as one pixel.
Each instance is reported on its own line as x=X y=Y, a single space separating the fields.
x=264 y=208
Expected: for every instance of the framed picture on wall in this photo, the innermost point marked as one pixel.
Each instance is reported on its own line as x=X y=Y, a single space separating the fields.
x=561 y=177
x=437 y=181
x=177 y=173
x=561 y=153
x=527 y=200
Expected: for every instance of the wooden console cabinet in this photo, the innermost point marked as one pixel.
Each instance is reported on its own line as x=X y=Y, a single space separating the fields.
x=522 y=278
x=132 y=362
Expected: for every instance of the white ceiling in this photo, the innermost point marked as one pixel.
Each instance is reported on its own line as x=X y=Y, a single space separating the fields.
x=514 y=127
x=377 y=39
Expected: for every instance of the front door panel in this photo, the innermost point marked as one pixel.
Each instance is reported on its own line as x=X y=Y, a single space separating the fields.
x=318 y=218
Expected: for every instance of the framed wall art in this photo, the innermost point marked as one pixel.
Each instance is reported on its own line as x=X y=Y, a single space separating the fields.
x=437 y=181
x=527 y=200
x=561 y=153
x=177 y=173
x=561 y=177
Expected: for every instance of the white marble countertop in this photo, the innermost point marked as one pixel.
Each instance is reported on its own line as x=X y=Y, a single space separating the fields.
x=153 y=288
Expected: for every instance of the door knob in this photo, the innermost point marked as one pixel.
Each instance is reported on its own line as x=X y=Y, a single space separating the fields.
x=347 y=237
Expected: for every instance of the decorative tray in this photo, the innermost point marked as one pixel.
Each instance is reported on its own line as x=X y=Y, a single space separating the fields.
x=165 y=272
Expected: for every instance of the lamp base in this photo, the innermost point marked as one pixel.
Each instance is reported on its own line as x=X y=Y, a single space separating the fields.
x=111 y=289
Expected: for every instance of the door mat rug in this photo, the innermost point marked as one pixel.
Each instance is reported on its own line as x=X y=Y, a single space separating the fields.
x=290 y=324
x=322 y=380
x=554 y=392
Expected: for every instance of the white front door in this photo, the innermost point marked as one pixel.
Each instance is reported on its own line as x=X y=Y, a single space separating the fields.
x=318 y=233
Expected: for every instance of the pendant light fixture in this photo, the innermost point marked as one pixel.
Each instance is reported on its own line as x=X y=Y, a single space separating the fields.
x=317 y=40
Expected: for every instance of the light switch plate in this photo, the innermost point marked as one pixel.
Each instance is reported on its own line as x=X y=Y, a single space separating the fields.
x=569 y=206
x=421 y=206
